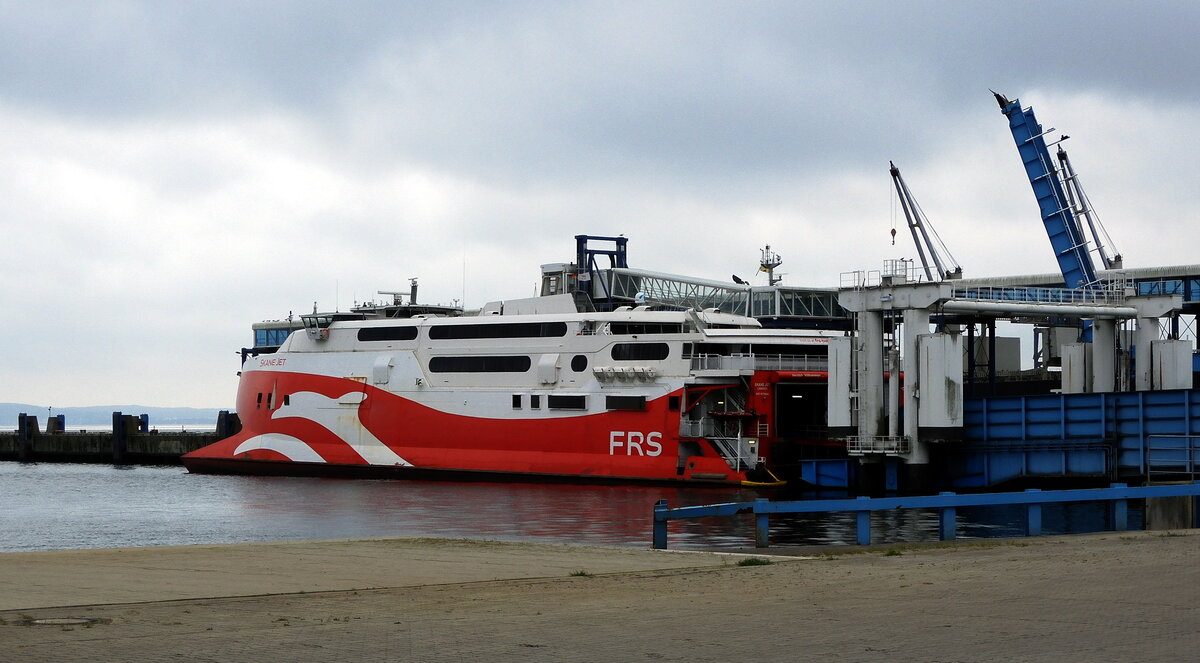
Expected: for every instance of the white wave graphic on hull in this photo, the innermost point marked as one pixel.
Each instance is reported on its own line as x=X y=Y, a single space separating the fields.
x=333 y=416
x=292 y=448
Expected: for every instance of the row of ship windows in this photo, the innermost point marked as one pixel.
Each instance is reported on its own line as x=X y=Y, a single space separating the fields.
x=574 y=402
x=522 y=363
x=553 y=402
x=508 y=330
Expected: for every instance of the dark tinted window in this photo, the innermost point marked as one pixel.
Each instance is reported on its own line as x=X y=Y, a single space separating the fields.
x=579 y=363
x=499 y=330
x=516 y=401
x=488 y=364
x=646 y=327
x=640 y=351
x=625 y=402
x=387 y=333
x=566 y=402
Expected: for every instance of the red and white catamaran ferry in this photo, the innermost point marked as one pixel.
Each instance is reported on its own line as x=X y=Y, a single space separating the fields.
x=534 y=388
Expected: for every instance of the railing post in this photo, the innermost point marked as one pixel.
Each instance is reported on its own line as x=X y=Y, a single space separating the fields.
x=1120 y=510
x=762 y=528
x=660 y=525
x=864 y=522
x=1195 y=509
x=1033 y=516
x=947 y=521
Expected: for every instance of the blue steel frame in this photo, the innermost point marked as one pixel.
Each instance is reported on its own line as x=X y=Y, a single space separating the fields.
x=947 y=503
x=1098 y=434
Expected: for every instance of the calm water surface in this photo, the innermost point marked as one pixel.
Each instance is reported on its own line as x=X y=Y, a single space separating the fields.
x=63 y=506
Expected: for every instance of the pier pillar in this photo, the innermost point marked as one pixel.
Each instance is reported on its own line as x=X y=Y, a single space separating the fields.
x=228 y=424
x=1149 y=311
x=916 y=470
x=1104 y=355
x=1147 y=333
x=27 y=429
x=55 y=424
x=916 y=323
x=118 y=433
x=870 y=374
x=893 y=393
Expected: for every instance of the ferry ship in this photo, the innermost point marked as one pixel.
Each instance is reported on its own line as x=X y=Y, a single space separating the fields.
x=540 y=388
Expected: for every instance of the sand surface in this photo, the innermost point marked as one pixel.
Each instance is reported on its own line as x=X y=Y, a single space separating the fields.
x=1105 y=597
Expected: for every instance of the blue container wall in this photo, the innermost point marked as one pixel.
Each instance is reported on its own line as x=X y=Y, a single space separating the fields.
x=1066 y=435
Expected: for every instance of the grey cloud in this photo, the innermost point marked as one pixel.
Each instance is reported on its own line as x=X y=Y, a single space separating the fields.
x=690 y=94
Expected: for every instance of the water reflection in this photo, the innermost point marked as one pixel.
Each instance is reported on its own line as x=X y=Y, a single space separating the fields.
x=60 y=506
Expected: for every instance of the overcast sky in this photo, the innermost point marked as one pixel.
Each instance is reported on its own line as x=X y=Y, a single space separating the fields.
x=171 y=172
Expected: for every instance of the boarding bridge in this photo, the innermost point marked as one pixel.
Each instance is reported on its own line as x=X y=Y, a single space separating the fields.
x=774 y=306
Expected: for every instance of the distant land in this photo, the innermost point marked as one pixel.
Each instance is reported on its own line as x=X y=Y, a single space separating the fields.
x=101 y=415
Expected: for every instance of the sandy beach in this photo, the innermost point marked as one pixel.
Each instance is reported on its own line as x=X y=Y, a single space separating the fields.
x=1111 y=597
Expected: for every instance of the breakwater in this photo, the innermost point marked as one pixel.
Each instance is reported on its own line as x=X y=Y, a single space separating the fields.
x=130 y=441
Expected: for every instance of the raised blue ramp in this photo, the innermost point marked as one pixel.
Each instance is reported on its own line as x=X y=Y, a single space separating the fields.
x=1066 y=235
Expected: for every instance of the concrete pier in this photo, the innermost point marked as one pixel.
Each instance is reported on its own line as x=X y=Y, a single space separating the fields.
x=1111 y=597
x=130 y=441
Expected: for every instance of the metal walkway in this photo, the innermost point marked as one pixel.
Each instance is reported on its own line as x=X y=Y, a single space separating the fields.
x=775 y=306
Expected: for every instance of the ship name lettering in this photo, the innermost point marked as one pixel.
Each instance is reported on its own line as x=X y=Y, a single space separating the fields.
x=272 y=361
x=635 y=443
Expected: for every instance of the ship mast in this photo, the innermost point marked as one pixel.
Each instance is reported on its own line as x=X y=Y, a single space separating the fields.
x=769 y=261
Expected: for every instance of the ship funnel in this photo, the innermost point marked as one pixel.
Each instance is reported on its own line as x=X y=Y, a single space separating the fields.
x=412 y=292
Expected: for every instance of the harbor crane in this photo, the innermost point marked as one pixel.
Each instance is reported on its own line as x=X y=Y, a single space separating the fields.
x=923 y=234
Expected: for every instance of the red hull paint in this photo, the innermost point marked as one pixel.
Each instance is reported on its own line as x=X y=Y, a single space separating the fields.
x=433 y=441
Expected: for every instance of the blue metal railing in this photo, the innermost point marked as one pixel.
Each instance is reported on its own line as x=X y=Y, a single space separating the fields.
x=1172 y=457
x=1117 y=495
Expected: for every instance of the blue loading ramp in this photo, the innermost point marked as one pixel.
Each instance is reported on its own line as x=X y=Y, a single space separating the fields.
x=1067 y=435
x=1066 y=236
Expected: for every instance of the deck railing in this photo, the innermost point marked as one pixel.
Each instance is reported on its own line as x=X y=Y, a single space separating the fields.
x=1117 y=495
